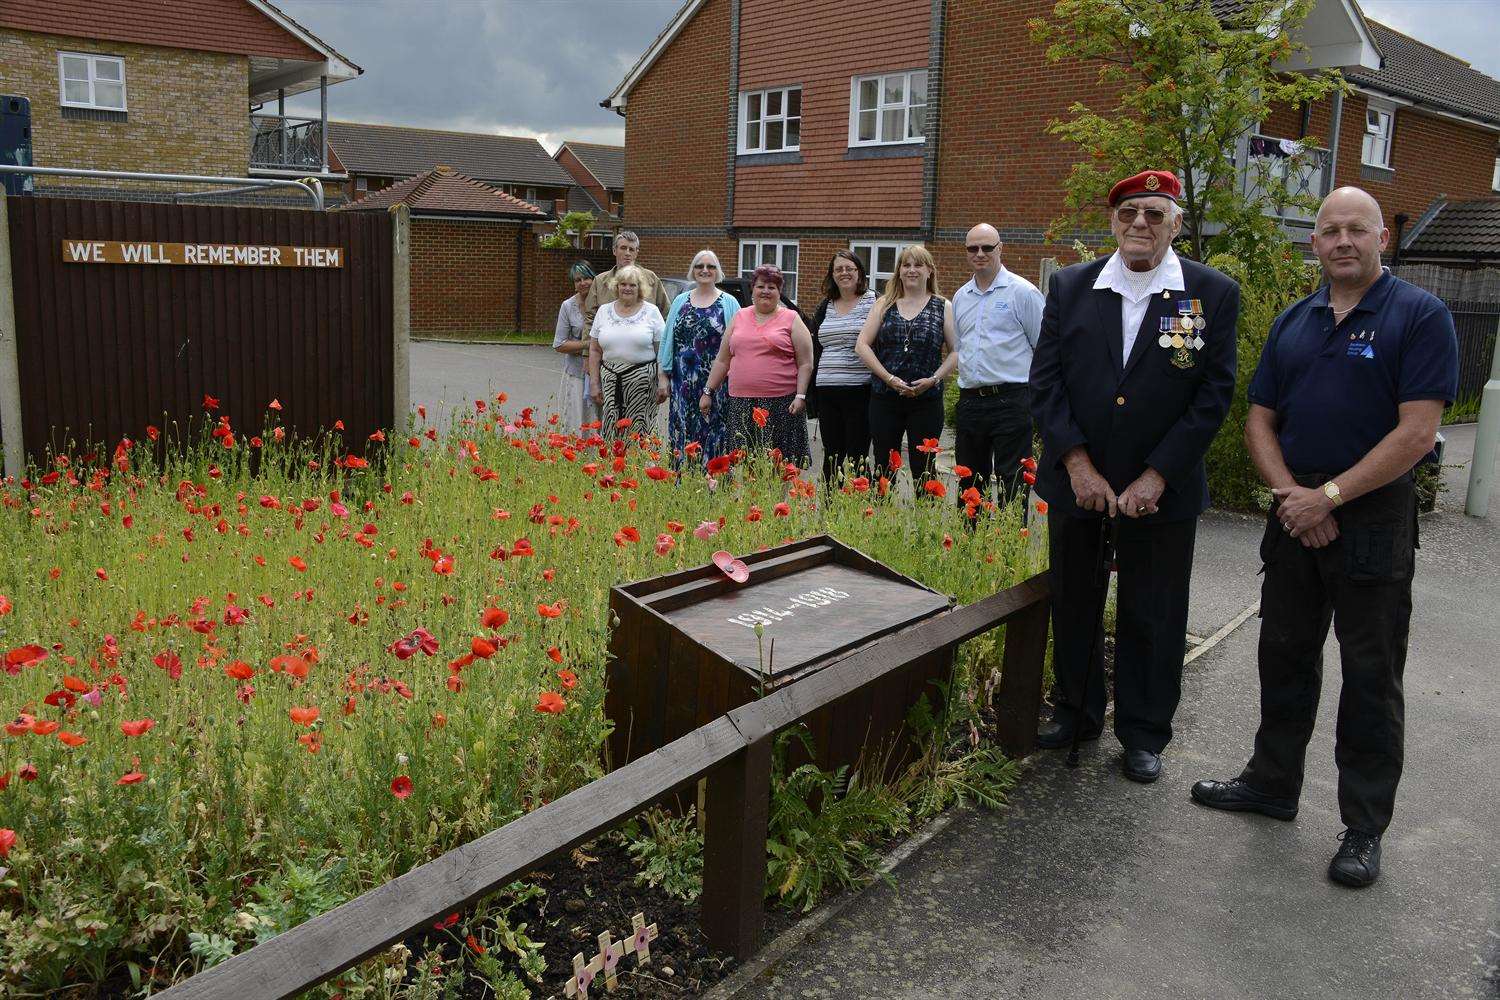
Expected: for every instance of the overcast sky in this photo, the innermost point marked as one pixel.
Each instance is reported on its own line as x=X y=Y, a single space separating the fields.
x=540 y=67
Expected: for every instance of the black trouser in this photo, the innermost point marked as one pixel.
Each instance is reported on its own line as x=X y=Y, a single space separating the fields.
x=1362 y=583
x=893 y=415
x=1155 y=561
x=844 y=425
x=992 y=434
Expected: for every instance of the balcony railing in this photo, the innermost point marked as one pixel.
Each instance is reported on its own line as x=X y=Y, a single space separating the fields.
x=1287 y=176
x=280 y=143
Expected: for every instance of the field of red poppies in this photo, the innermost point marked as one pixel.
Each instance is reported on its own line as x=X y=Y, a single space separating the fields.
x=247 y=682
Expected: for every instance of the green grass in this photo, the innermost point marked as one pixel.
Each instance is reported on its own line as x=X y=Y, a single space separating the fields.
x=495 y=337
x=1464 y=411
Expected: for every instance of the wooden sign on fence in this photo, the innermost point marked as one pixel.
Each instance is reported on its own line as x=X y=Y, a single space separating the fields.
x=215 y=254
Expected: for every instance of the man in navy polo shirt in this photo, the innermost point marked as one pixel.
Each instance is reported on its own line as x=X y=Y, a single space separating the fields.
x=1346 y=401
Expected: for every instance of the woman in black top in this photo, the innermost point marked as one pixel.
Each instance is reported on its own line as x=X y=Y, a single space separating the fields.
x=903 y=345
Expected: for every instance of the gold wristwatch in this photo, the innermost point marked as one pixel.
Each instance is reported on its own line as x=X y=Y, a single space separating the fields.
x=1331 y=491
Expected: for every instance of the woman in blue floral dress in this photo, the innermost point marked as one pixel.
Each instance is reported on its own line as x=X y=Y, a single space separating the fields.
x=695 y=326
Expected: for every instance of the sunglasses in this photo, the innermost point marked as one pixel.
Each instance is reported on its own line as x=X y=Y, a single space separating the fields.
x=1126 y=214
x=703 y=267
x=981 y=247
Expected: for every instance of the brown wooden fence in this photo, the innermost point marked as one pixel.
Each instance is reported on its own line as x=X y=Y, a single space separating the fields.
x=103 y=350
x=733 y=752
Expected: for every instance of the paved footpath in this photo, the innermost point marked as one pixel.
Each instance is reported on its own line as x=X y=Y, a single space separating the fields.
x=1089 y=885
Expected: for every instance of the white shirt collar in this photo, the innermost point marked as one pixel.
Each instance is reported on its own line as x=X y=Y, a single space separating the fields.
x=1168 y=275
x=1002 y=279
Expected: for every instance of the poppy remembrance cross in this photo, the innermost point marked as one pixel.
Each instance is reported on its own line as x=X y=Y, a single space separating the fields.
x=611 y=953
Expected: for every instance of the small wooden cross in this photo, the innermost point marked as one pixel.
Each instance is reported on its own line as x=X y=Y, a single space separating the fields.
x=583 y=977
x=640 y=940
x=608 y=959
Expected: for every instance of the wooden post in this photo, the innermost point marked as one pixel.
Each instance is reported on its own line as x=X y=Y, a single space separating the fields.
x=1019 y=699
x=400 y=314
x=734 y=850
x=10 y=370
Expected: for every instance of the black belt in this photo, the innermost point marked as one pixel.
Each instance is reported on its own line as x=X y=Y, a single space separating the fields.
x=1000 y=389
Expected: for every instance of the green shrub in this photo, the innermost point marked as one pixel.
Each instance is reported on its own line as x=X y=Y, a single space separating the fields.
x=670 y=852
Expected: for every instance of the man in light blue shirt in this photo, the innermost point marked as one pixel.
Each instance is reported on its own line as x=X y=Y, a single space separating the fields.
x=999 y=317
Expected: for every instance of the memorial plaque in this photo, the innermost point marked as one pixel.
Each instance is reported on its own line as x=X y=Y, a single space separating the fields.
x=686 y=650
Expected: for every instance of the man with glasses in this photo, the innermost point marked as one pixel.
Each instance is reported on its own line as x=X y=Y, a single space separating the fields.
x=627 y=247
x=1131 y=378
x=998 y=317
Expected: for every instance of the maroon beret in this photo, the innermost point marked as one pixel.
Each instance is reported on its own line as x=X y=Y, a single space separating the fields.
x=1146 y=183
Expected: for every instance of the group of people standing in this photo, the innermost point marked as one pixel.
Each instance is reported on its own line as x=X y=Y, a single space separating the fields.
x=1127 y=371
x=738 y=377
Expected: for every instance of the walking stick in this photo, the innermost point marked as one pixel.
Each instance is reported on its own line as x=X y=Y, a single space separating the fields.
x=1108 y=534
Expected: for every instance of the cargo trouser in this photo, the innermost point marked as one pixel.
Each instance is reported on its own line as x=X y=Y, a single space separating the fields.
x=1362 y=584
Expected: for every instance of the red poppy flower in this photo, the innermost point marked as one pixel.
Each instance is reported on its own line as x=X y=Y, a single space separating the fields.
x=101 y=574
x=1041 y=506
x=27 y=772
x=210 y=402
x=930 y=446
x=782 y=509
x=298 y=563
x=555 y=654
x=657 y=473
x=623 y=423
x=5 y=605
x=935 y=488
x=312 y=741
x=1028 y=463
x=239 y=670
x=664 y=544
x=962 y=471
x=131 y=778
x=553 y=610
x=170 y=662
x=401 y=787
x=1029 y=477
x=551 y=703
x=446 y=922
x=692 y=448
x=72 y=739
x=304 y=716
x=7 y=841
x=45 y=727
x=443 y=565
x=760 y=416
x=137 y=727
x=568 y=678
x=719 y=465
x=24 y=656
x=894 y=460
x=20 y=725
x=355 y=462
x=482 y=647
x=493 y=618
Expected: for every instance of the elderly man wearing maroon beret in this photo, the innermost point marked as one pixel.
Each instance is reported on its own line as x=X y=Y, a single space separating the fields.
x=1132 y=376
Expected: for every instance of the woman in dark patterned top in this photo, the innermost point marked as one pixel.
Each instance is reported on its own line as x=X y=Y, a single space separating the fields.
x=903 y=344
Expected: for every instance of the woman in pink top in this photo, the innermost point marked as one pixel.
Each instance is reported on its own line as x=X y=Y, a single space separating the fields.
x=767 y=356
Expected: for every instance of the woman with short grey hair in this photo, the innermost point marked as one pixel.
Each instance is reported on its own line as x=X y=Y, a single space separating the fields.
x=575 y=404
x=695 y=327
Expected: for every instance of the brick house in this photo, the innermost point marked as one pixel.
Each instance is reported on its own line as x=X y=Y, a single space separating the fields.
x=173 y=86
x=474 y=255
x=599 y=175
x=377 y=156
x=935 y=118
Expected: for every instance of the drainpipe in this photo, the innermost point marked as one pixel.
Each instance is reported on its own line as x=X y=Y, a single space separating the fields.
x=281 y=124
x=1336 y=122
x=1401 y=220
x=323 y=128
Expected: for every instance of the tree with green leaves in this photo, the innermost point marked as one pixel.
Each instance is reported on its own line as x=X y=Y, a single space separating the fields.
x=1186 y=84
x=571 y=228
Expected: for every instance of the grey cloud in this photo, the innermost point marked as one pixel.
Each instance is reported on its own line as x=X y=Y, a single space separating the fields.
x=517 y=67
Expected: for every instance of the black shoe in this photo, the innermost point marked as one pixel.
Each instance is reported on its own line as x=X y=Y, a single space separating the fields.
x=1142 y=765
x=1053 y=735
x=1357 y=863
x=1237 y=796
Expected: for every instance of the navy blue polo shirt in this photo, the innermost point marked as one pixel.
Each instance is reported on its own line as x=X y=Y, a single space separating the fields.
x=1336 y=390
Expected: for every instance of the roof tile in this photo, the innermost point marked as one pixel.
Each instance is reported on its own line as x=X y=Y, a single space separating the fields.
x=444 y=191
x=606 y=163
x=1430 y=76
x=1464 y=229
x=399 y=151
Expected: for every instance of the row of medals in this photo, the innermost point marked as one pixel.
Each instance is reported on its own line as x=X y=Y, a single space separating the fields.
x=1186 y=330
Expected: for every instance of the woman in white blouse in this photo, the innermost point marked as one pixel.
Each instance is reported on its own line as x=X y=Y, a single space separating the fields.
x=623 y=345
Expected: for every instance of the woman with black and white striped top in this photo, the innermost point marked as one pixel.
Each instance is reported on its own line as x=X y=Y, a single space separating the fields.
x=842 y=379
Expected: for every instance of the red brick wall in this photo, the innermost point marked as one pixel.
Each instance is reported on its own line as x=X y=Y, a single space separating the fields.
x=826 y=189
x=463 y=276
x=675 y=129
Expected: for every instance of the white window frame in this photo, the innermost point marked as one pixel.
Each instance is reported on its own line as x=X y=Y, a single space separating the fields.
x=760 y=124
x=1385 y=113
x=1495 y=180
x=871 y=256
x=881 y=108
x=94 y=61
x=776 y=250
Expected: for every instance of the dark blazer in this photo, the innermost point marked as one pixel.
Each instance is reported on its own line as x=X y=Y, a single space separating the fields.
x=1132 y=412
